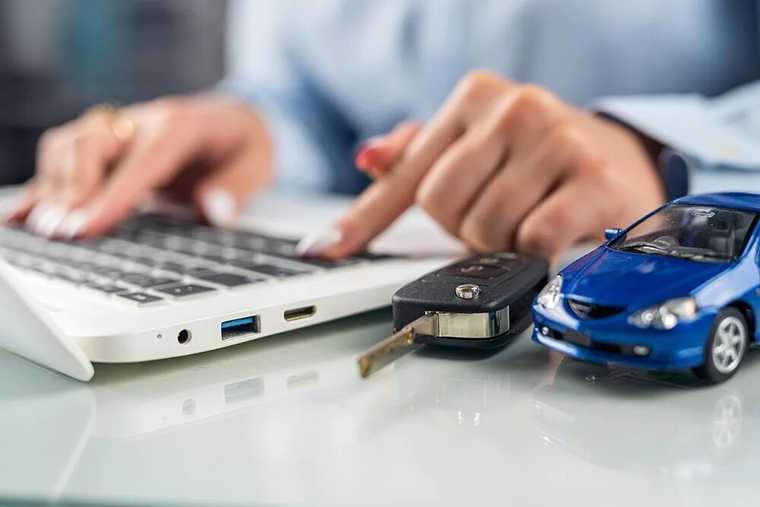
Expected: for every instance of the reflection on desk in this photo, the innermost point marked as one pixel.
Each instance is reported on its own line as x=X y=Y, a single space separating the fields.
x=671 y=429
x=287 y=421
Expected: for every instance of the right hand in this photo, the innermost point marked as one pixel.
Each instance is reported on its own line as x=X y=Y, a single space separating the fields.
x=210 y=151
x=502 y=166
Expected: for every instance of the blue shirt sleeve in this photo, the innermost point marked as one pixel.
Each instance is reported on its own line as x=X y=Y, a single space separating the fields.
x=715 y=140
x=313 y=140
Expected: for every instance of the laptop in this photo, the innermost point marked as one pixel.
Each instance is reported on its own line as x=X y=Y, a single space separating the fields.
x=161 y=286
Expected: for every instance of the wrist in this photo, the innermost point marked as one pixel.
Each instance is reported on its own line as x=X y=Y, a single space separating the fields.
x=669 y=167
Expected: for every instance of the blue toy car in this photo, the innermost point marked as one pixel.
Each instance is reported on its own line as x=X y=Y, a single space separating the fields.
x=678 y=289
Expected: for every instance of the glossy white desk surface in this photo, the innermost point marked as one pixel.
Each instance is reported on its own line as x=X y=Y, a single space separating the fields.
x=287 y=421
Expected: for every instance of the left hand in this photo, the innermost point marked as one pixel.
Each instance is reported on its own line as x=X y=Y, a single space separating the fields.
x=504 y=166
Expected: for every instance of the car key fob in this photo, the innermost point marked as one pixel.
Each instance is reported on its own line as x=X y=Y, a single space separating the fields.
x=477 y=302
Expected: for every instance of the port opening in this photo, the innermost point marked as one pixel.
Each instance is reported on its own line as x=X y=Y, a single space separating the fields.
x=299 y=313
x=239 y=327
x=184 y=337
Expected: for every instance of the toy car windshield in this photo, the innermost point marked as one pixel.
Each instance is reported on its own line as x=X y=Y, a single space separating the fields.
x=700 y=233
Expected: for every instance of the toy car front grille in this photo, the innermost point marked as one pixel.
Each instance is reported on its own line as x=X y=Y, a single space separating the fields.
x=583 y=341
x=585 y=310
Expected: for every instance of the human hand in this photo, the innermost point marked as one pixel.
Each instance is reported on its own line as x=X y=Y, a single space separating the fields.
x=502 y=166
x=94 y=171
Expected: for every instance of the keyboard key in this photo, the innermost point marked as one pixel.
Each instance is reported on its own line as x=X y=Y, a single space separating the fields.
x=106 y=288
x=173 y=267
x=108 y=272
x=71 y=275
x=113 y=246
x=145 y=281
x=125 y=233
x=264 y=244
x=154 y=252
x=227 y=279
x=46 y=268
x=327 y=263
x=200 y=272
x=267 y=269
x=152 y=240
x=144 y=261
x=140 y=297
x=66 y=277
x=217 y=258
x=279 y=246
x=22 y=261
x=183 y=290
x=87 y=267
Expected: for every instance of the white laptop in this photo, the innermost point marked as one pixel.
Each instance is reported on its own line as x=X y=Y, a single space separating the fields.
x=160 y=286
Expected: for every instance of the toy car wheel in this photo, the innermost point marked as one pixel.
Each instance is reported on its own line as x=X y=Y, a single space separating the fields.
x=725 y=347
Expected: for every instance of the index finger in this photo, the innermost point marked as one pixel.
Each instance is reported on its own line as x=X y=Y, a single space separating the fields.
x=386 y=199
x=147 y=166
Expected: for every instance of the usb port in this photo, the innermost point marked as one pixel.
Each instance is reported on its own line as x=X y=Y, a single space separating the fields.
x=300 y=313
x=239 y=327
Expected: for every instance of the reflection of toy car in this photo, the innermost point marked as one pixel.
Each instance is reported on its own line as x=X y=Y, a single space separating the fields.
x=691 y=440
x=678 y=289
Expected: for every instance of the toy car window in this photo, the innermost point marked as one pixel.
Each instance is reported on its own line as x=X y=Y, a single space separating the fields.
x=700 y=233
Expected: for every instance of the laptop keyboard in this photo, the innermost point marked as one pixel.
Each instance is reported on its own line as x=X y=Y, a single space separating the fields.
x=155 y=258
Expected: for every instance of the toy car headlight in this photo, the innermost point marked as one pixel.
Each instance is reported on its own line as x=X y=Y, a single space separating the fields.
x=549 y=295
x=666 y=315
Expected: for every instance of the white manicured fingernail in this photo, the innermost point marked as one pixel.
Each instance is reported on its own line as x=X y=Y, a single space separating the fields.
x=50 y=220
x=318 y=242
x=74 y=224
x=35 y=216
x=219 y=207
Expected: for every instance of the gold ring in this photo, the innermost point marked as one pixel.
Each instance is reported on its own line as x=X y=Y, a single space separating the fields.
x=122 y=127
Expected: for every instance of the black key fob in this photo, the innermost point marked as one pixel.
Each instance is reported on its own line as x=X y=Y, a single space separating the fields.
x=480 y=302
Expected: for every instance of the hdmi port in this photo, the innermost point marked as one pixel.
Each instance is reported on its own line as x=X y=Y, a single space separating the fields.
x=300 y=313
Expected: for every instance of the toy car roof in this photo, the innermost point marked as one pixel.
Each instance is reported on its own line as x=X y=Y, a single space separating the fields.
x=732 y=200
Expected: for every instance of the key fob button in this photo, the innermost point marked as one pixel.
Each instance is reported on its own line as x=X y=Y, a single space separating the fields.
x=489 y=261
x=475 y=270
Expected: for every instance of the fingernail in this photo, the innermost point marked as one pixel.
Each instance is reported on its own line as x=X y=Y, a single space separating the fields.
x=367 y=152
x=49 y=221
x=362 y=159
x=318 y=242
x=219 y=207
x=35 y=216
x=73 y=225
x=366 y=159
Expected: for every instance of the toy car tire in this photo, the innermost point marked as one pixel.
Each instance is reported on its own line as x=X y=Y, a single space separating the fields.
x=726 y=346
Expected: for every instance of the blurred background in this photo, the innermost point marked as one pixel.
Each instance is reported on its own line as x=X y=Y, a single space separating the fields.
x=50 y=69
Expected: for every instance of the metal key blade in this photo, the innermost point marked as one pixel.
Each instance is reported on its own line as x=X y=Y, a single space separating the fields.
x=396 y=345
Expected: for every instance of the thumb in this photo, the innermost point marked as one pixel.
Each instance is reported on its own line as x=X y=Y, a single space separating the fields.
x=223 y=195
x=219 y=206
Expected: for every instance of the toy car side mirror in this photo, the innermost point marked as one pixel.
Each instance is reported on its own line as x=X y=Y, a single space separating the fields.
x=610 y=234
